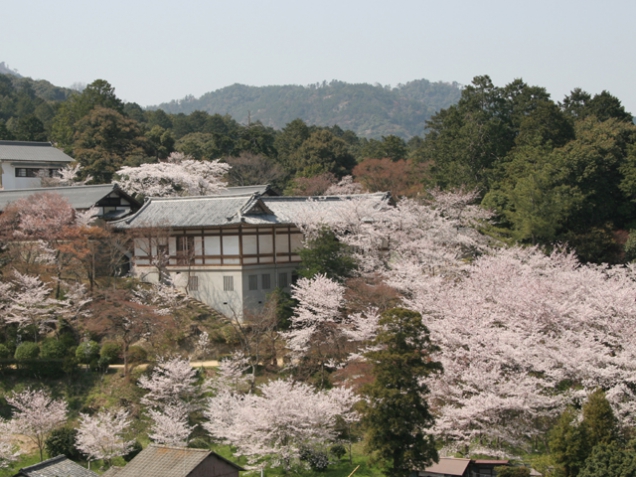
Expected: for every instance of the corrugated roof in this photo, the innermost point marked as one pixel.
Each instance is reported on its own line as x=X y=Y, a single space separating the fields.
x=31 y=151
x=214 y=211
x=80 y=197
x=449 y=466
x=60 y=466
x=164 y=461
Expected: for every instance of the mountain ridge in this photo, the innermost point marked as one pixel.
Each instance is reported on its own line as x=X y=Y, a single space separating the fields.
x=368 y=110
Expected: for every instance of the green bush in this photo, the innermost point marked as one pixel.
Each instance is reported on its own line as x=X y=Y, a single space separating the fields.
x=110 y=352
x=5 y=352
x=338 y=451
x=26 y=351
x=53 y=349
x=87 y=352
x=62 y=441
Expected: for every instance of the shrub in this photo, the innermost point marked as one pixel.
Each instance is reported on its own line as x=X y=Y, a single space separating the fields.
x=26 y=351
x=5 y=353
x=317 y=460
x=338 y=451
x=53 y=349
x=110 y=352
x=87 y=352
x=62 y=441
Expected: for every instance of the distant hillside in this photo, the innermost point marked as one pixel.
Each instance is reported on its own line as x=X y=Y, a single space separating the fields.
x=370 y=111
x=5 y=70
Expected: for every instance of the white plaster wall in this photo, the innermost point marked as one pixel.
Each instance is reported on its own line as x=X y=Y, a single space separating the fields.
x=11 y=182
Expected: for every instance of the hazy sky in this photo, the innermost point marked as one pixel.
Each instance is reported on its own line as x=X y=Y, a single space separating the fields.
x=154 y=51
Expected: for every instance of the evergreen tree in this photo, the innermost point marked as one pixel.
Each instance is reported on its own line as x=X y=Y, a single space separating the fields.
x=325 y=254
x=396 y=414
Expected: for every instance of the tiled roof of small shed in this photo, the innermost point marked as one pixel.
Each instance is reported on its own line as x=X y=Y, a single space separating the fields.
x=164 y=461
x=449 y=466
x=80 y=197
x=60 y=466
x=214 y=211
x=31 y=151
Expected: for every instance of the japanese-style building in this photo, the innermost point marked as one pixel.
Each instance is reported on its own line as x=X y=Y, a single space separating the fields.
x=22 y=161
x=229 y=250
x=110 y=201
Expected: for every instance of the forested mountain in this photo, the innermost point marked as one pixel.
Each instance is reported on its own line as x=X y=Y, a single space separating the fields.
x=370 y=111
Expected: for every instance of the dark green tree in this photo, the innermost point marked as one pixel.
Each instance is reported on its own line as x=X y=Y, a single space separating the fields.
x=323 y=152
x=610 y=460
x=62 y=442
x=327 y=255
x=396 y=414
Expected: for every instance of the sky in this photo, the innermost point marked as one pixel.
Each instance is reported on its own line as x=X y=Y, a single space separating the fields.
x=157 y=51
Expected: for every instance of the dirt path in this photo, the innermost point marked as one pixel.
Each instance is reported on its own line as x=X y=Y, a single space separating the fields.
x=213 y=363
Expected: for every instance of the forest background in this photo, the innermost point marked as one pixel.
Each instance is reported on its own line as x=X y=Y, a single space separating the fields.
x=555 y=175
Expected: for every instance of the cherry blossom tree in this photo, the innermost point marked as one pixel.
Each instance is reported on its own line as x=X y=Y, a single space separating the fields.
x=102 y=436
x=9 y=452
x=179 y=175
x=36 y=414
x=31 y=304
x=346 y=186
x=64 y=177
x=316 y=324
x=277 y=423
x=39 y=216
x=167 y=299
x=173 y=393
x=170 y=424
x=172 y=381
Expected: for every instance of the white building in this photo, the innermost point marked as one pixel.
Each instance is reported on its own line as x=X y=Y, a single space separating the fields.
x=228 y=251
x=20 y=162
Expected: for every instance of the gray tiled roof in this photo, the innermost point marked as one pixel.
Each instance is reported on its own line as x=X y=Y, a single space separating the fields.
x=31 y=151
x=80 y=197
x=164 y=461
x=187 y=212
x=60 y=466
x=214 y=211
x=247 y=190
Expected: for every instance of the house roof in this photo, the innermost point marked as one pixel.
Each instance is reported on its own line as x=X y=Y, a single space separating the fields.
x=80 y=197
x=60 y=466
x=31 y=151
x=264 y=189
x=214 y=211
x=449 y=466
x=164 y=461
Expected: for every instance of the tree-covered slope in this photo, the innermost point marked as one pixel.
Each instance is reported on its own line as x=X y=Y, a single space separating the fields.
x=370 y=111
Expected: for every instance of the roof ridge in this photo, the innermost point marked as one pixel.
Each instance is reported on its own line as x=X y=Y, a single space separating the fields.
x=48 y=461
x=26 y=143
x=53 y=189
x=162 y=446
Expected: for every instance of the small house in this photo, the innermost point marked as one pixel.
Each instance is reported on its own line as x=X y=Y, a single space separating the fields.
x=22 y=161
x=165 y=461
x=60 y=466
x=456 y=467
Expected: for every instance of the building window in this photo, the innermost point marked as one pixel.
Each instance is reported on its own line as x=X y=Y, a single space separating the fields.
x=282 y=280
x=252 y=281
x=228 y=283
x=193 y=283
x=185 y=249
x=30 y=172
x=266 y=281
